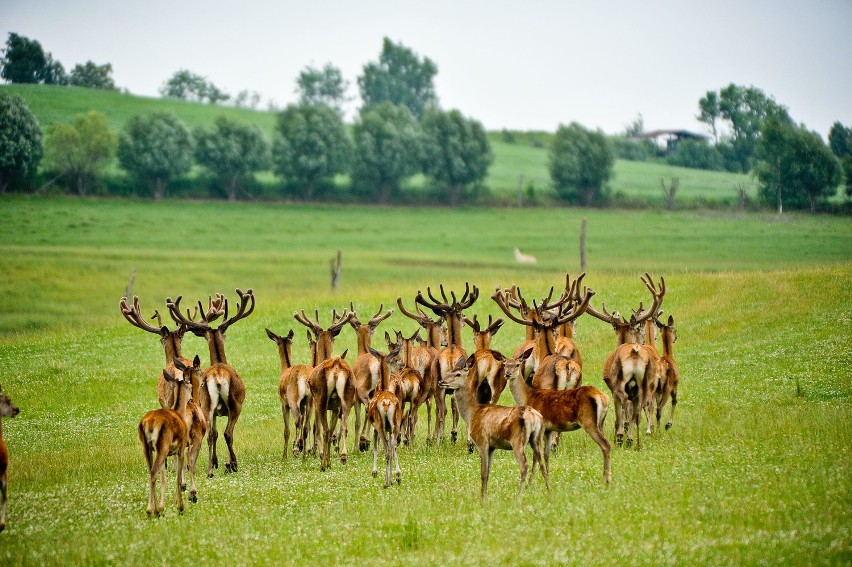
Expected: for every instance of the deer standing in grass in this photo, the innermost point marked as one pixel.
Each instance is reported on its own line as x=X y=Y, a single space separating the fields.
x=496 y=427
x=630 y=370
x=406 y=382
x=564 y=410
x=222 y=389
x=196 y=423
x=449 y=356
x=7 y=409
x=385 y=414
x=425 y=361
x=332 y=387
x=294 y=393
x=669 y=374
x=365 y=370
x=163 y=432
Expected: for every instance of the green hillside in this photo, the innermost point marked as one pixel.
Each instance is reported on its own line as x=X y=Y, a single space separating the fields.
x=633 y=181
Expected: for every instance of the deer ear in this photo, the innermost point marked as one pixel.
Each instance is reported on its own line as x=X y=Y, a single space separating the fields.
x=196 y=362
x=164 y=331
x=376 y=353
x=167 y=376
x=671 y=321
x=343 y=356
x=471 y=360
x=459 y=364
x=273 y=336
x=179 y=365
x=526 y=354
x=290 y=334
x=498 y=355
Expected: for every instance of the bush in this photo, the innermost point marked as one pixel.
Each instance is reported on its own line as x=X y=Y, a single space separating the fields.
x=632 y=150
x=697 y=155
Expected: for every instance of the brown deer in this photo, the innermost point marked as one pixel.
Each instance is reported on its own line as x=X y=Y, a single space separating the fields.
x=630 y=370
x=163 y=432
x=454 y=351
x=222 y=390
x=7 y=409
x=385 y=414
x=171 y=341
x=406 y=382
x=669 y=375
x=563 y=410
x=332 y=387
x=196 y=423
x=294 y=393
x=496 y=427
x=565 y=344
x=489 y=363
x=425 y=360
x=365 y=369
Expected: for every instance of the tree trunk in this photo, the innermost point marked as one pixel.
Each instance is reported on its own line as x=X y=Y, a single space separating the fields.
x=81 y=185
x=385 y=190
x=232 y=189
x=159 y=188
x=454 y=193
x=812 y=201
x=309 y=191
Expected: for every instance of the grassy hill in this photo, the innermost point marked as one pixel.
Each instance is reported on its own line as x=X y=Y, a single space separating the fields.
x=527 y=156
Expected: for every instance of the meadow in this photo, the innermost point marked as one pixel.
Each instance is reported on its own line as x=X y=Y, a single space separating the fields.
x=755 y=470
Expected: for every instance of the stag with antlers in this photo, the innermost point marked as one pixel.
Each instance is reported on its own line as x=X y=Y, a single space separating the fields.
x=223 y=390
x=332 y=387
x=451 y=312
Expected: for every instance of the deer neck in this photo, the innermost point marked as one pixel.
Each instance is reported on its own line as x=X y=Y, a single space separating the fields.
x=364 y=339
x=408 y=353
x=466 y=401
x=216 y=343
x=546 y=343
x=531 y=333
x=171 y=346
x=284 y=353
x=433 y=335
x=650 y=333
x=182 y=398
x=454 y=325
x=625 y=334
x=519 y=388
x=567 y=330
x=482 y=341
x=668 y=342
x=325 y=345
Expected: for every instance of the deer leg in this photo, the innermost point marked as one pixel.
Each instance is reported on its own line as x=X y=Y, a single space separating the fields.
x=375 y=452
x=521 y=457
x=548 y=435
x=598 y=437
x=535 y=443
x=674 y=403
x=344 y=452
x=428 y=418
x=389 y=443
x=485 y=454
x=3 y=483
x=161 y=468
x=180 y=462
x=212 y=434
x=440 y=414
x=305 y=408
x=152 y=486
x=398 y=471
x=285 y=410
x=233 y=415
x=619 y=419
x=454 y=434
x=358 y=432
x=415 y=407
x=321 y=419
x=298 y=418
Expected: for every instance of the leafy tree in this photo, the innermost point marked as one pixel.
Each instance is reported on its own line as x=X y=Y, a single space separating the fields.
x=581 y=163
x=709 y=113
x=20 y=140
x=24 y=61
x=399 y=77
x=92 y=76
x=635 y=128
x=247 y=99
x=155 y=148
x=798 y=162
x=322 y=86
x=189 y=86
x=456 y=152
x=81 y=151
x=231 y=150
x=387 y=149
x=696 y=154
x=840 y=142
x=310 y=146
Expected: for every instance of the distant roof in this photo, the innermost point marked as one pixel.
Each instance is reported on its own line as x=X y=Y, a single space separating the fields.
x=676 y=133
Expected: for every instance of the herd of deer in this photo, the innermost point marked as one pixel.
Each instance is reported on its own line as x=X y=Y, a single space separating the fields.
x=544 y=376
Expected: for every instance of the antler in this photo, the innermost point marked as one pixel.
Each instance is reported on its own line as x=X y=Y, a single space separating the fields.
x=304 y=320
x=422 y=318
x=339 y=322
x=578 y=309
x=374 y=320
x=246 y=300
x=471 y=294
x=499 y=298
x=134 y=315
x=197 y=327
x=657 y=295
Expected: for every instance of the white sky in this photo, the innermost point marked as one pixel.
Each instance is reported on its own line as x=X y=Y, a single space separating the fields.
x=519 y=65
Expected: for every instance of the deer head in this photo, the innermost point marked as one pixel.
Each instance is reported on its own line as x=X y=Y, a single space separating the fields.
x=171 y=340
x=451 y=311
x=627 y=331
x=324 y=337
x=436 y=332
x=7 y=408
x=482 y=338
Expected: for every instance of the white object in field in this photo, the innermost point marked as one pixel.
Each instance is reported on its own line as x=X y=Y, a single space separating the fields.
x=524 y=258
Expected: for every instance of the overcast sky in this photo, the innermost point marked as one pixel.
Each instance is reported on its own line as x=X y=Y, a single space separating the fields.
x=518 y=65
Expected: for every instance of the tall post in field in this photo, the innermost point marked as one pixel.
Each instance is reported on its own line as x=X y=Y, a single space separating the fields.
x=583 y=246
x=335 y=264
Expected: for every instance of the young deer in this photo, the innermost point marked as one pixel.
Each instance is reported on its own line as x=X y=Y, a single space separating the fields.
x=670 y=375
x=332 y=387
x=365 y=369
x=385 y=414
x=223 y=390
x=163 y=432
x=563 y=410
x=406 y=382
x=294 y=393
x=449 y=356
x=489 y=363
x=7 y=409
x=630 y=370
x=196 y=423
x=496 y=427
x=425 y=361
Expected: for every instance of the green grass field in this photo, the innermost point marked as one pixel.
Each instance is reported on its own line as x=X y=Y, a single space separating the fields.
x=755 y=470
x=639 y=181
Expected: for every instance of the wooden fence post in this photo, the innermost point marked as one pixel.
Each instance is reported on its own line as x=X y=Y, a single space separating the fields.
x=583 y=246
x=335 y=269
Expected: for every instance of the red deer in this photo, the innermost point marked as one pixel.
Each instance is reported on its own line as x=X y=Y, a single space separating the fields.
x=406 y=382
x=163 y=432
x=630 y=370
x=670 y=375
x=365 y=369
x=7 y=409
x=496 y=427
x=489 y=363
x=564 y=410
x=385 y=414
x=331 y=384
x=196 y=423
x=294 y=393
x=222 y=390
x=449 y=356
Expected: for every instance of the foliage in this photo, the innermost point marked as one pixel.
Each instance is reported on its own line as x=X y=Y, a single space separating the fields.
x=696 y=154
x=840 y=140
x=635 y=128
x=744 y=109
x=386 y=150
x=580 y=163
x=155 y=148
x=186 y=85
x=24 y=61
x=322 y=86
x=20 y=140
x=80 y=151
x=310 y=146
x=92 y=76
x=633 y=150
x=456 y=151
x=399 y=77
x=231 y=150
x=247 y=99
x=799 y=162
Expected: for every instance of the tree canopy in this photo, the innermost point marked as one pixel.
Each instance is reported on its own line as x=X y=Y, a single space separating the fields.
x=310 y=146
x=81 y=151
x=155 y=148
x=324 y=86
x=232 y=151
x=399 y=77
x=580 y=164
x=92 y=76
x=20 y=140
x=24 y=61
x=456 y=151
x=186 y=85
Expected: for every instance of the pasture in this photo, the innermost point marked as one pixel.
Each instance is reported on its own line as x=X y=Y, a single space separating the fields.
x=756 y=469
